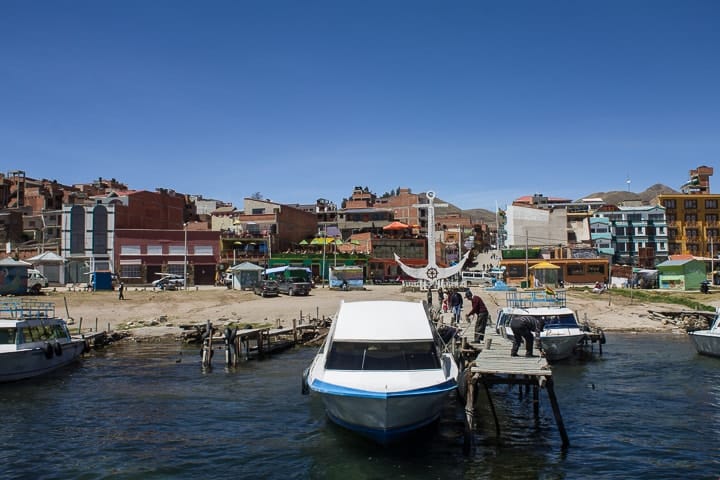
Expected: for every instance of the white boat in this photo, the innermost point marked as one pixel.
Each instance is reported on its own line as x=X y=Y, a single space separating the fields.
x=33 y=341
x=561 y=336
x=707 y=342
x=382 y=370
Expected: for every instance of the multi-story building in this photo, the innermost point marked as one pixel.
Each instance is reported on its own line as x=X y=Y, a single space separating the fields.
x=693 y=217
x=638 y=234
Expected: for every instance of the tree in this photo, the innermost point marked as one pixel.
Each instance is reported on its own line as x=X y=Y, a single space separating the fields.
x=257 y=196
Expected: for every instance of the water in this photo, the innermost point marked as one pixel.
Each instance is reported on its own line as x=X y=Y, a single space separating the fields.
x=648 y=409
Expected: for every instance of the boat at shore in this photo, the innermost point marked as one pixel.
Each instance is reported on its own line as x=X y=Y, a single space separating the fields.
x=707 y=342
x=383 y=370
x=561 y=336
x=33 y=341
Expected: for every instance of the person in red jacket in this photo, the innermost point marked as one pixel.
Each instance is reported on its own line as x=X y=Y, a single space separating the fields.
x=481 y=312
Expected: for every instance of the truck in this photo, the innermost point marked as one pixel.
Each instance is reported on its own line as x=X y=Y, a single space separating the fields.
x=291 y=280
x=36 y=281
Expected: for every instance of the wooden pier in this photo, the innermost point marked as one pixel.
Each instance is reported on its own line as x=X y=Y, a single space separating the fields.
x=489 y=363
x=244 y=344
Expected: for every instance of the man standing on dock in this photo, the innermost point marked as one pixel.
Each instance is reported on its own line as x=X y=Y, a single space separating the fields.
x=481 y=315
x=524 y=328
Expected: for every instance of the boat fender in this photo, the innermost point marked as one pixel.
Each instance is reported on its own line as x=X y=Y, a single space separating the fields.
x=305 y=388
x=48 y=351
x=58 y=349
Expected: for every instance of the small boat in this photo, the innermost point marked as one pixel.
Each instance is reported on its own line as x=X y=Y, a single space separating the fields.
x=33 y=341
x=383 y=370
x=707 y=342
x=561 y=336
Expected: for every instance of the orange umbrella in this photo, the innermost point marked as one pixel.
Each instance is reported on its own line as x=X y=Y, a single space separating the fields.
x=395 y=226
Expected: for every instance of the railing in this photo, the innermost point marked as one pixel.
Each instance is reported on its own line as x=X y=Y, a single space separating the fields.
x=536 y=298
x=17 y=310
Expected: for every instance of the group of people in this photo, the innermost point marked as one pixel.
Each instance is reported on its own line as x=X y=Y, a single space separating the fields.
x=453 y=301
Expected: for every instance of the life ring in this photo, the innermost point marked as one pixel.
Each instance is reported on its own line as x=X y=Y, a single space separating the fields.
x=48 y=349
x=58 y=349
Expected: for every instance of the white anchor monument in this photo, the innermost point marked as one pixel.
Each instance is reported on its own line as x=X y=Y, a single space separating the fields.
x=431 y=272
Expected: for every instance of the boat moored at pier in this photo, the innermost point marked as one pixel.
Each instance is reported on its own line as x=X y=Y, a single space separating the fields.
x=33 y=341
x=383 y=370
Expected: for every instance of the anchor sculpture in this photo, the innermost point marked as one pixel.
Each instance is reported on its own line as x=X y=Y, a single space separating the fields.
x=431 y=272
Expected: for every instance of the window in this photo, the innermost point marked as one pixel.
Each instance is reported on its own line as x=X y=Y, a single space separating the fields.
x=176 y=269
x=516 y=271
x=711 y=203
x=100 y=230
x=382 y=356
x=177 y=250
x=669 y=203
x=154 y=250
x=130 y=250
x=690 y=218
x=691 y=233
x=204 y=250
x=596 y=269
x=575 y=270
x=690 y=203
x=130 y=271
x=77 y=229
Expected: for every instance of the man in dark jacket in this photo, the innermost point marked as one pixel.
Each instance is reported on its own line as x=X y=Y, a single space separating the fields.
x=480 y=310
x=524 y=328
x=456 y=303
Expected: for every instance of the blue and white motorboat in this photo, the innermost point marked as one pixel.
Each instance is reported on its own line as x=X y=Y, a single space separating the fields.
x=383 y=370
x=707 y=342
x=33 y=341
x=561 y=336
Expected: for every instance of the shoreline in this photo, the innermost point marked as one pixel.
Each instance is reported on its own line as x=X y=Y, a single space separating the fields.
x=146 y=313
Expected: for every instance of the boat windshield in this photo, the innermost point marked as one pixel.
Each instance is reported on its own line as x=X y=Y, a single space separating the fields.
x=7 y=336
x=560 y=321
x=40 y=333
x=383 y=356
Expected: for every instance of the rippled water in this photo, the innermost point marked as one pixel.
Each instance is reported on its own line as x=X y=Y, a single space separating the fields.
x=647 y=409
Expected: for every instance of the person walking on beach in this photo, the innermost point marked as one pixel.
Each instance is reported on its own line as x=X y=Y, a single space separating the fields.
x=481 y=316
x=524 y=329
x=121 y=289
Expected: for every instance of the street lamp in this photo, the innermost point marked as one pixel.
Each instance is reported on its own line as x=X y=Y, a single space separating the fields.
x=185 y=225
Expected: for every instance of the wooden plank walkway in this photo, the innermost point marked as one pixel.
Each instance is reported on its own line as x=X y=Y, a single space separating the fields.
x=493 y=365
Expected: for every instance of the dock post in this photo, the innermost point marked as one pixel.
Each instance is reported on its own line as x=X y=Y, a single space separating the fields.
x=80 y=326
x=96 y=321
x=492 y=409
x=295 y=335
x=470 y=386
x=536 y=402
x=556 y=412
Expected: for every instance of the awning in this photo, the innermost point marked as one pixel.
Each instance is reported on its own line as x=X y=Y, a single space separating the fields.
x=544 y=266
x=321 y=241
x=395 y=226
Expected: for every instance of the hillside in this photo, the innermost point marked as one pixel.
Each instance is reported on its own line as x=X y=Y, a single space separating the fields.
x=615 y=197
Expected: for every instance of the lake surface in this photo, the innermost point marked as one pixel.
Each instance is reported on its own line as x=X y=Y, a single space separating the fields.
x=649 y=408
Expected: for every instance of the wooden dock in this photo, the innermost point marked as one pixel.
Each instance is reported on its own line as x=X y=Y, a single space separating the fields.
x=489 y=363
x=244 y=344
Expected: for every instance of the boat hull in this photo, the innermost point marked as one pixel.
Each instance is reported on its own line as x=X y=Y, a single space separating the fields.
x=35 y=361
x=383 y=416
x=707 y=342
x=560 y=343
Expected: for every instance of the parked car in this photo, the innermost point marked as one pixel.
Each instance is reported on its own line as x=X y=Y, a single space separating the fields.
x=228 y=280
x=169 y=282
x=266 y=288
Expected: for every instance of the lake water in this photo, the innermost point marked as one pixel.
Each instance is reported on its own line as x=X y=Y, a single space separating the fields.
x=649 y=408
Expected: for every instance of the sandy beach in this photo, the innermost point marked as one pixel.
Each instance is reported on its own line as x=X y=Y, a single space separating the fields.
x=149 y=313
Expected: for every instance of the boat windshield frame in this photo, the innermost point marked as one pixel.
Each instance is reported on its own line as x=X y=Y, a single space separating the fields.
x=383 y=356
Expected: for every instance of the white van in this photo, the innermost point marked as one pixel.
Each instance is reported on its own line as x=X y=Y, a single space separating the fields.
x=36 y=281
x=473 y=277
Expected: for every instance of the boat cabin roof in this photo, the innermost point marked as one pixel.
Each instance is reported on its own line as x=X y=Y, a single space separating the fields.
x=382 y=320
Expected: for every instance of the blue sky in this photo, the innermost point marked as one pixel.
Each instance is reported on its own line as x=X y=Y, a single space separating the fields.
x=480 y=101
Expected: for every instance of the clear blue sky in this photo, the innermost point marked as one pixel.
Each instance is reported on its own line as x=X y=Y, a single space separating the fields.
x=481 y=101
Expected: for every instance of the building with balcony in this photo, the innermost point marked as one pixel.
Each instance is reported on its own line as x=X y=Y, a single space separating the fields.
x=693 y=217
